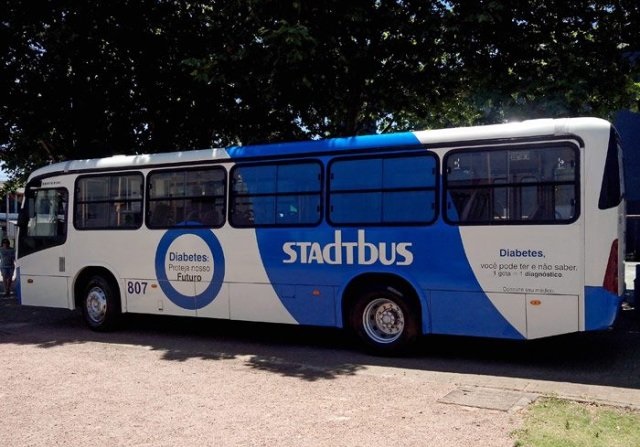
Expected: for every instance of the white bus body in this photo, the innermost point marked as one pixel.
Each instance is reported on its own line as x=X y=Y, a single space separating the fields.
x=510 y=231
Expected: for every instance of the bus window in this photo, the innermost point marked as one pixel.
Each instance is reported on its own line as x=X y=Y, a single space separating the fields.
x=390 y=190
x=276 y=194
x=43 y=221
x=108 y=202
x=611 y=191
x=192 y=197
x=516 y=185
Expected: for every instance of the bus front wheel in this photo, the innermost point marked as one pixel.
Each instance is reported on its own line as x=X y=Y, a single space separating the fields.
x=100 y=304
x=384 y=321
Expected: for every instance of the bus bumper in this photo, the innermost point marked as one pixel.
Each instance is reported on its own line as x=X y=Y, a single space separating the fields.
x=601 y=308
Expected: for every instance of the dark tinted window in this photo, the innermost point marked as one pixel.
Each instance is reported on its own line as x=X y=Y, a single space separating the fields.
x=108 y=202
x=383 y=190
x=276 y=194
x=515 y=185
x=610 y=192
x=192 y=197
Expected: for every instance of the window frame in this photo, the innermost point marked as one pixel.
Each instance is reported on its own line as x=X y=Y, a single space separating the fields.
x=576 y=183
x=381 y=190
x=182 y=170
x=28 y=244
x=77 y=203
x=612 y=188
x=319 y=192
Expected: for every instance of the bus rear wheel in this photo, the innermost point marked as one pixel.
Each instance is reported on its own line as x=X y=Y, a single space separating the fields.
x=384 y=321
x=100 y=304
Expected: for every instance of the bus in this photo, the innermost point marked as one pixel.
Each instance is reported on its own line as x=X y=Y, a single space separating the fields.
x=511 y=231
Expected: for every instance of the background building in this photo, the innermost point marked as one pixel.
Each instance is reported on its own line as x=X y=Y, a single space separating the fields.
x=9 y=207
x=628 y=125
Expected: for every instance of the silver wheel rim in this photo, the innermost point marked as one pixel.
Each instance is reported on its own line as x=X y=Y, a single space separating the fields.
x=96 y=305
x=383 y=320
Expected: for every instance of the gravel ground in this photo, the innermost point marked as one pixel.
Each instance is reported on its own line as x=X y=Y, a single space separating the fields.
x=155 y=385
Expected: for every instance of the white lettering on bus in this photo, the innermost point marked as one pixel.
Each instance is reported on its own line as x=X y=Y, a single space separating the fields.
x=341 y=252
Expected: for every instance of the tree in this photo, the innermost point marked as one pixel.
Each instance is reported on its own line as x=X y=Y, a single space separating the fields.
x=329 y=68
x=546 y=58
x=89 y=80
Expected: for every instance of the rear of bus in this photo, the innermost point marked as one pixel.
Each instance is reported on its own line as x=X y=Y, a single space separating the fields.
x=604 y=228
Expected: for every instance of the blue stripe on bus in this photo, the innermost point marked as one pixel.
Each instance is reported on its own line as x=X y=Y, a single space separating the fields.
x=403 y=139
x=310 y=290
x=600 y=308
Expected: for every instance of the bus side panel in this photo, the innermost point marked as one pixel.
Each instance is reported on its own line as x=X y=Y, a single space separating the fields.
x=431 y=258
x=531 y=274
x=40 y=290
x=206 y=273
x=44 y=278
x=252 y=296
x=471 y=313
x=131 y=262
x=549 y=315
x=219 y=307
x=142 y=295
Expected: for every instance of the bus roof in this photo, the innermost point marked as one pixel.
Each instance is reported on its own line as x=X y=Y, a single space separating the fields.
x=530 y=128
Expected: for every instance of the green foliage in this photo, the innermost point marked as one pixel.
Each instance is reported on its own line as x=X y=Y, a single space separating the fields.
x=541 y=58
x=85 y=80
x=555 y=422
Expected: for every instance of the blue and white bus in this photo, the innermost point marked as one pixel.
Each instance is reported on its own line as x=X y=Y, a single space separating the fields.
x=510 y=231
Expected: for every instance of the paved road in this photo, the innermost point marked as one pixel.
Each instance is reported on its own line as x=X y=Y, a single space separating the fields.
x=602 y=367
x=164 y=381
x=182 y=382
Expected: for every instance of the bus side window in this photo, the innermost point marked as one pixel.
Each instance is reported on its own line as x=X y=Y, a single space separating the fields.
x=160 y=215
x=515 y=185
x=47 y=216
x=43 y=223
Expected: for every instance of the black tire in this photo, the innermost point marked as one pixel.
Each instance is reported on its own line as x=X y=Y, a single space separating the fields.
x=384 y=321
x=101 y=304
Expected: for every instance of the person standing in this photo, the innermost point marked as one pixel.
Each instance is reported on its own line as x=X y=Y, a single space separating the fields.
x=7 y=261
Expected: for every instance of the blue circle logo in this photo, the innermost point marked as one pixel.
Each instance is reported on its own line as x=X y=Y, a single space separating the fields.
x=186 y=266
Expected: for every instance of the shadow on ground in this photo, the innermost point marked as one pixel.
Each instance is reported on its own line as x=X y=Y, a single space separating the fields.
x=609 y=358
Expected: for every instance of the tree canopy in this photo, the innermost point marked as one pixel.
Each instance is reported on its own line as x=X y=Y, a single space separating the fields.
x=91 y=79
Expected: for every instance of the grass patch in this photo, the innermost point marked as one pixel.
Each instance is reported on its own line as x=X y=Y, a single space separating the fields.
x=552 y=422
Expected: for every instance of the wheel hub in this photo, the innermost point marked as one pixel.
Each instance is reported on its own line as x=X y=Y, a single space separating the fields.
x=96 y=304
x=387 y=318
x=383 y=320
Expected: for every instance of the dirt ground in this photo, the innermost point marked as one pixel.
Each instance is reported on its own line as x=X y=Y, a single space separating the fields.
x=177 y=382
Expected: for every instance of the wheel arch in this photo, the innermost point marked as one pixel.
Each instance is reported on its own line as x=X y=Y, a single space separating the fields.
x=83 y=277
x=395 y=283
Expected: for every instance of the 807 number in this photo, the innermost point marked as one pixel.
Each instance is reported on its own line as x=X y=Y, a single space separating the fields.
x=137 y=287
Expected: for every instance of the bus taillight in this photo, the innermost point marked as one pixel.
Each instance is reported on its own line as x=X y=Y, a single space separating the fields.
x=611 y=275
